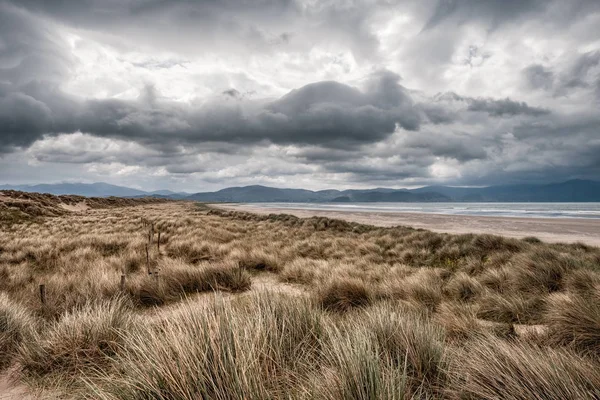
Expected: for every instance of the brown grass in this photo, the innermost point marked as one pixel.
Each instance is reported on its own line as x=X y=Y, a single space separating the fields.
x=574 y=321
x=355 y=311
x=490 y=368
x=344 y=294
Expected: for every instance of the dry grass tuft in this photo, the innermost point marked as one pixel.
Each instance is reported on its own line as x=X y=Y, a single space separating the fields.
x=178 y=281
x=511 y=309
x=541 y=269
x=301 y=271
x=81 y=340
x=17 y=326
x=462 y=287
x=260 y=260
x=583 y=282
x=574 y=321
x=344 y=294
x=221 y=352
x=490 y=368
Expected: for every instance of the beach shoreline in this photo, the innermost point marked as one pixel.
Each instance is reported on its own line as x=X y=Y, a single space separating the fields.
x=551 y=230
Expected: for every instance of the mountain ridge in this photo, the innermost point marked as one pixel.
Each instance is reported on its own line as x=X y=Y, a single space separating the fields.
x=574 y=190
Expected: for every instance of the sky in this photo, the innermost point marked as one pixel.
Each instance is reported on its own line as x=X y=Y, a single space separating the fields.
x=201 y=95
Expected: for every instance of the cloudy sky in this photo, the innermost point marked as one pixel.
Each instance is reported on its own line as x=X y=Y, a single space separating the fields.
x=201 y=95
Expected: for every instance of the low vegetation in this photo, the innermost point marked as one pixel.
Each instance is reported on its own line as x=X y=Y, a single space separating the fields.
x=172 y=300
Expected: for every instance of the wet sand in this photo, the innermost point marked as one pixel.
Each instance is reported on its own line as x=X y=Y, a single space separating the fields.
x=567 y=230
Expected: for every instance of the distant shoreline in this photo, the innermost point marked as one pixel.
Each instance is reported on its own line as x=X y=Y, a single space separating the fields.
x=567 y=230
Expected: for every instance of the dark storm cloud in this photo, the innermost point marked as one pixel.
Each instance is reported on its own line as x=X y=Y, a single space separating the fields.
x=326 y=113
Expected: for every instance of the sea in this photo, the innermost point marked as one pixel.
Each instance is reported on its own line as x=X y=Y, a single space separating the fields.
x=529 y=210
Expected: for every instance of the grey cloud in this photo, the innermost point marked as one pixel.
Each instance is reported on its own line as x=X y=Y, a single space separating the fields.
x=583 y=72
x=232 y=93
x=373 y=169
x=494 y=12
x=314 y=154
x=326 y=113
x=438 y=114
x=498 y=12
x=23 y=119
x=459 y=147
x=584 y=63
x=29 y=49
x=538 y=77
x=447 y=107
x=234 y=26
x=583 y=125
x=504 y=107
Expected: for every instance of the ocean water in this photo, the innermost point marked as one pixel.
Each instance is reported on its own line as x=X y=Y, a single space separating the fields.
x=532 y=210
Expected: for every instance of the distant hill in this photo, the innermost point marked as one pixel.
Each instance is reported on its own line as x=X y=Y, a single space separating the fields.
x=576 y=190
x=98 y=189
x=258 y=194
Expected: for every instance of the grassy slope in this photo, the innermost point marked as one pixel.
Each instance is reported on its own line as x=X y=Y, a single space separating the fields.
x=376 y=313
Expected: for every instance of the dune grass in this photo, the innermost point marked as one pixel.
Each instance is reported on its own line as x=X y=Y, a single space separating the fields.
x=232 y=305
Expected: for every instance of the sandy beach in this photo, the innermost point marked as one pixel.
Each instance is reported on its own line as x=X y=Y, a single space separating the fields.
x=547 y=229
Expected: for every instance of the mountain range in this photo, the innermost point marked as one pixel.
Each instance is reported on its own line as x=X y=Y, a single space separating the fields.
x=98 y=189
x=576 y=190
